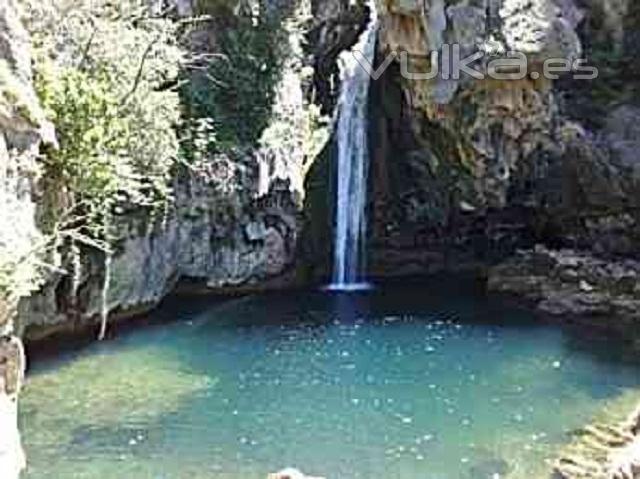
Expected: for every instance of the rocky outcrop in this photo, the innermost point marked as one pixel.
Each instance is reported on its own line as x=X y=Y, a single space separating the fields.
x=222 y=245
x=12 y=364
x=336 y=27
x=593 y=218
x=567 y=283
x=22 y=129
x=466 y=144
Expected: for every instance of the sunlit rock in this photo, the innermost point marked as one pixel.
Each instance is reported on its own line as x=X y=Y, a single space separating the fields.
x=537 y=27
x=603 y=450
x=23 y=128
x=291 y=473
x=12 y=364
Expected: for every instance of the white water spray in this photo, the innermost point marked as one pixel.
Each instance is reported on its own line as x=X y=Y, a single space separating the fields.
x=353 y=159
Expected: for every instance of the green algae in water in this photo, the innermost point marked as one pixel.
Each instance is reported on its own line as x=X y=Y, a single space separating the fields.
x=407 y=383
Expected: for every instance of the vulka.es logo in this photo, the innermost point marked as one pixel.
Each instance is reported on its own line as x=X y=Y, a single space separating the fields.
x=448 y=64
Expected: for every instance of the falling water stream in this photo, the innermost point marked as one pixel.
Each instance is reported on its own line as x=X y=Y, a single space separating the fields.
x=353 y=156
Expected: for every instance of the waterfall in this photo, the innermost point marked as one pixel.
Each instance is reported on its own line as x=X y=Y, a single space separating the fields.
x=353 y=159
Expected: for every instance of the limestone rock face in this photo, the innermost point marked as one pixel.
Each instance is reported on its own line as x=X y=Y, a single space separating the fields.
x=466 y=170
x=496 y=124
x=199 y=240
x=543 y=28
x=12 y=366
x=22 y=129
x=540 y=27
x=336 y=27
x=622 y=134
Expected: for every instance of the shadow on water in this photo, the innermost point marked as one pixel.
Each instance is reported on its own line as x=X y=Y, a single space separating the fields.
x=459 y=298
x=437 y=298
x=67 y=345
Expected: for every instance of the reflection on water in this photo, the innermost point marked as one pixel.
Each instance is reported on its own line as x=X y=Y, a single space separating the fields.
x=418 y=381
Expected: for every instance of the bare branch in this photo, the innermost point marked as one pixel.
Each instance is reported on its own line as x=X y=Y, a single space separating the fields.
x=85 y=51
x=138 y=77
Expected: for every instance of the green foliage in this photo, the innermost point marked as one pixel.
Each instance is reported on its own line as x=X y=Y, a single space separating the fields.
x=236 y=89
x=590 y=102
x=99 y=75
x=90 y=130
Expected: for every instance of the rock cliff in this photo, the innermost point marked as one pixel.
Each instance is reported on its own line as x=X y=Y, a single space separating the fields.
x=475 y=150
x=22 y=129
x=233 y=223
x=200 y=240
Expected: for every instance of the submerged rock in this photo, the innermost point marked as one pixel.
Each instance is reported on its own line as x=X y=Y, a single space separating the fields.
x=290 y=473
x=603 y=451
x=489 y=468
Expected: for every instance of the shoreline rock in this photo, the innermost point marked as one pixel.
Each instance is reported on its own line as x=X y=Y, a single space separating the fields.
x=12 y=365
x=605 y=293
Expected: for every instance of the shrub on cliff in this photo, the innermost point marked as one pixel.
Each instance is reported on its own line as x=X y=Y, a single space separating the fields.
x=235 y=87
x=100 y=71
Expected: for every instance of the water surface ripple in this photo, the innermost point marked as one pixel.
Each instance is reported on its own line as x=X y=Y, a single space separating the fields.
x=421 y=381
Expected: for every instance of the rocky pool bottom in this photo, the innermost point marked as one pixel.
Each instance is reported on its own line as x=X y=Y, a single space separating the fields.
x=407 y=381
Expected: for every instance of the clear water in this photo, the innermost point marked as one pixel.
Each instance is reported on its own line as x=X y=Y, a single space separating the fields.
x=419 y=381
